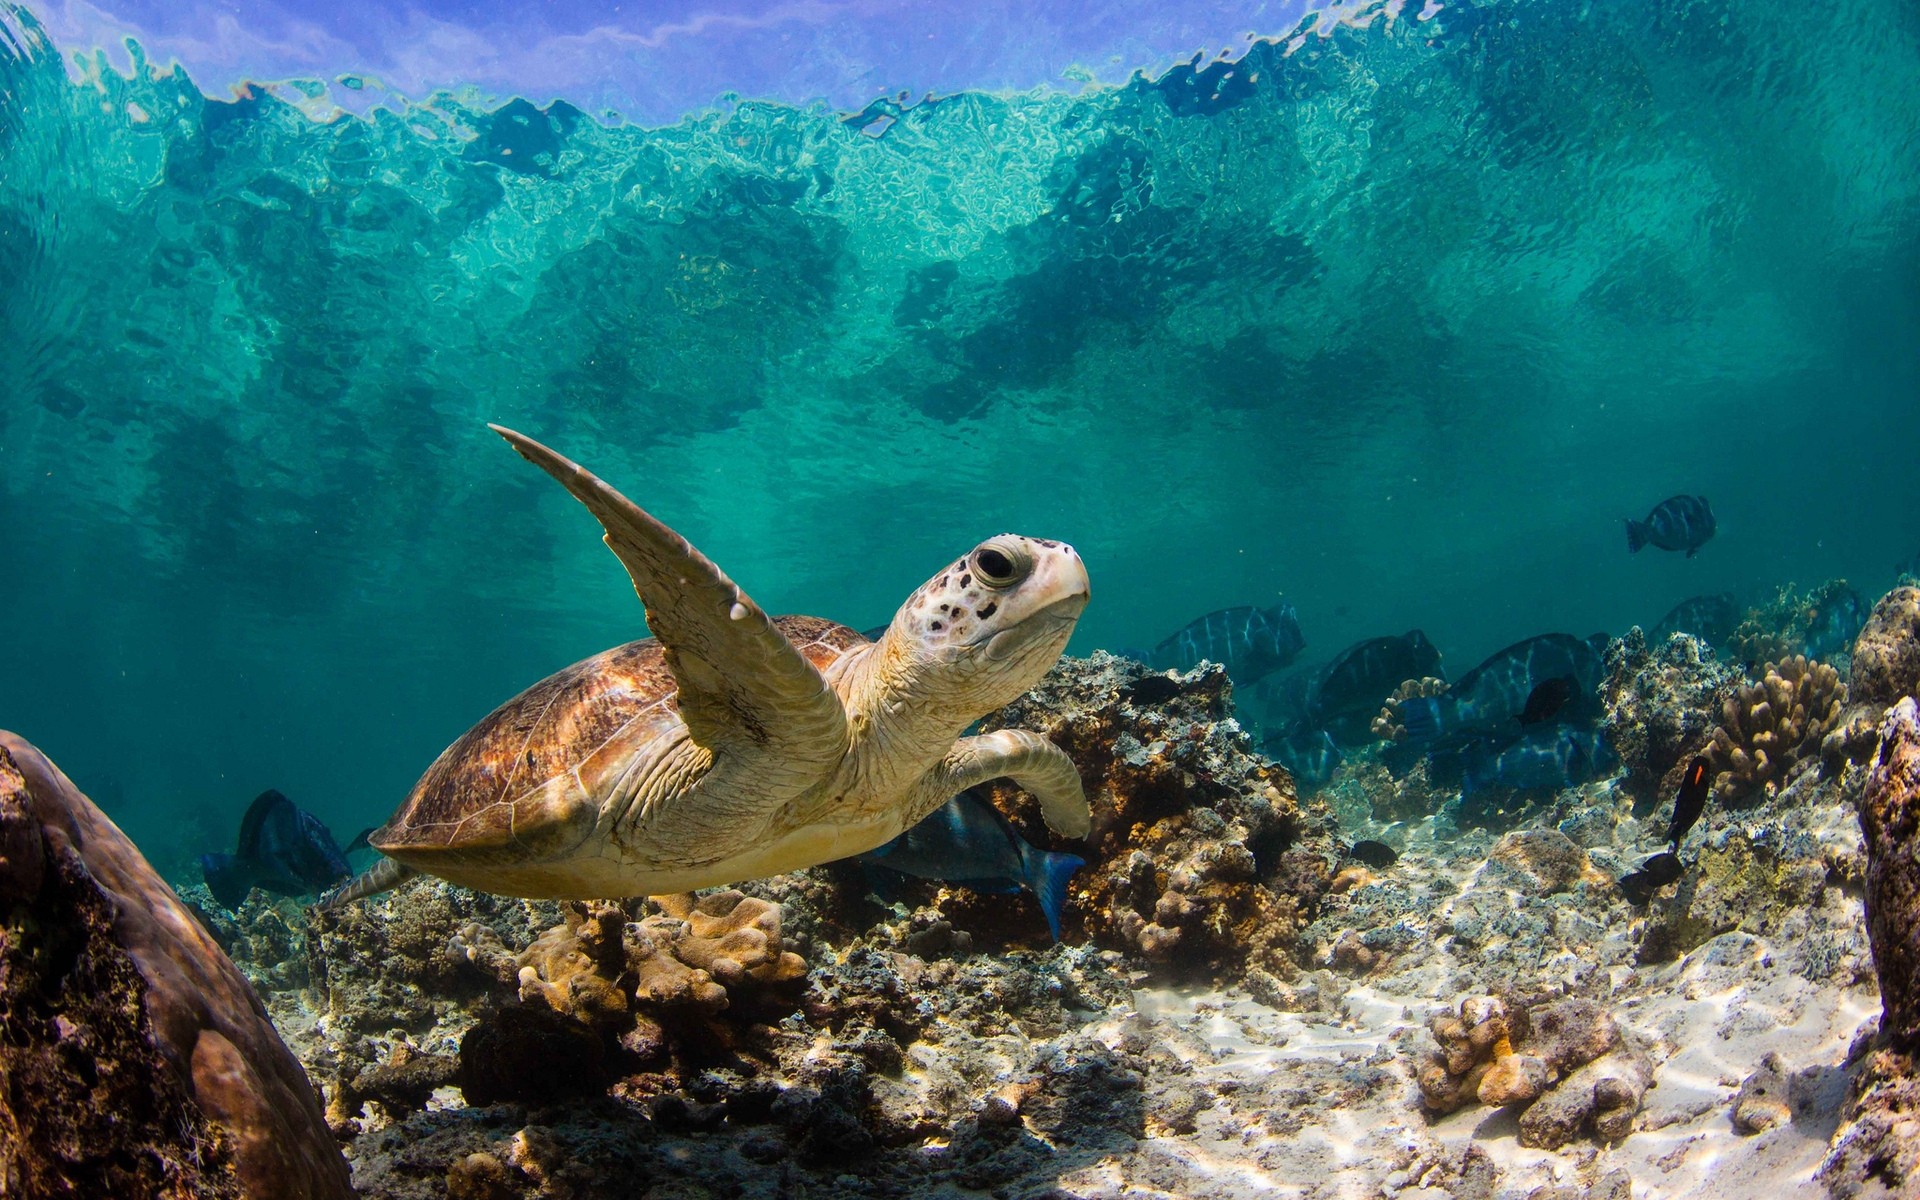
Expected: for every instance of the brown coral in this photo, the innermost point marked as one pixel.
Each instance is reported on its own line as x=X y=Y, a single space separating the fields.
x=1767 y=727
x=1567 y=1061
x=600 y=963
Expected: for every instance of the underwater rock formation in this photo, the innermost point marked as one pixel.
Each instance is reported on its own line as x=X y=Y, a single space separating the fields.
x=1201 y=857
x=1890 y=820
x=1886 y=658
x=1767 y=727
x=1661 y=701
x=138 y=1060
x=1877 y=1150
x=1567 y=1061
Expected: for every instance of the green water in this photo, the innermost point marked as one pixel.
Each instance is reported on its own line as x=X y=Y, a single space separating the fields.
x=1398 y=321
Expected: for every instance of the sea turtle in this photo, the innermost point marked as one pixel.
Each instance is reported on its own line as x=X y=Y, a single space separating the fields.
x=731 y=745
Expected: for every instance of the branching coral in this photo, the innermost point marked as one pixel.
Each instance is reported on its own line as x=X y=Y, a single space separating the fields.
x=1768 y=726
x=1387 y=726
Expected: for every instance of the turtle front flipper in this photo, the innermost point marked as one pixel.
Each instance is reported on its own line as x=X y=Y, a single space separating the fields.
x=741 y=682
x=1040 y=768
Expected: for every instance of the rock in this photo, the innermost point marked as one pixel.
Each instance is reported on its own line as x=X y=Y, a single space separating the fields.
x=1661 y=702
x=1539 y=861
x=1890 y=821
x=151 y=1066
x=1571 y=1033
x=1761 y=1102
x=1602 y=1097
x=1876 y=1151
x=1886 y=658
x=521 y=1052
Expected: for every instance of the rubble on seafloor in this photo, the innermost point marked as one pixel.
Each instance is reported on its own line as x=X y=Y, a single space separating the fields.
x=1235 y=1010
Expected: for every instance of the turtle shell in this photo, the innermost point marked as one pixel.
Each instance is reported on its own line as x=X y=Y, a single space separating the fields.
x=529 y=781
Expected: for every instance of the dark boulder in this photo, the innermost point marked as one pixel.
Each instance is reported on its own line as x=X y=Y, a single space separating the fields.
x=137 y=1060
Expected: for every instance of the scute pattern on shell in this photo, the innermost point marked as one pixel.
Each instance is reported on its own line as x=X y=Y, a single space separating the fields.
x=610 y=706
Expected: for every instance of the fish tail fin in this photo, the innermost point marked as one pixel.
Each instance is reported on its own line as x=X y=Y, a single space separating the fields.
x=1421 y=717
x=1048 y=873
x=1636 y=535
x=227 y=879
x=382 y=876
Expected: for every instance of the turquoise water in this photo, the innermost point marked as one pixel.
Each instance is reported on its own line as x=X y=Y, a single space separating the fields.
x=1396 y=318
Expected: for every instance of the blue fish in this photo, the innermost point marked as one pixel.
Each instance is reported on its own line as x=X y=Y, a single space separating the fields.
x=1676 y=523
x=1709 y=618
x=1546 y=756
x=1493 y=695
x=967 y=842
x=1310 y=756
x=1837 y=620
x=1249 y=642
x=282 y=850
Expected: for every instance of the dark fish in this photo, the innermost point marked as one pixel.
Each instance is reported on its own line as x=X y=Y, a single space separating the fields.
x=1377 y=855
x=1152 y=689
x=1544 y=757
x=1249 y=642
x=1691 y=800
x=282 y=850
x=1546 y=700
x=1343 y=696
x=967 y=842
x=1709 y=618
x=1310 y=756
x=1677 y=523
x=1837 y=620
x=874 y=634
x=1652 y=875
x=1496 y=692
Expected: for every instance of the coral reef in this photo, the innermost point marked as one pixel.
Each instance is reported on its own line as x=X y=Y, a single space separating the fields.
x=1201 y=857
x=1767 y=727
x=1566 y=1061
x=137 y=1060
x=1661 y=701
x=938 y=1043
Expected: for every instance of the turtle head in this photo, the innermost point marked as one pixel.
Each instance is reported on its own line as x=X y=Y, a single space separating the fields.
x=984 y=630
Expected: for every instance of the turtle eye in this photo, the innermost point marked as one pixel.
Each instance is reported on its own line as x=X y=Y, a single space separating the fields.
x=997 y=568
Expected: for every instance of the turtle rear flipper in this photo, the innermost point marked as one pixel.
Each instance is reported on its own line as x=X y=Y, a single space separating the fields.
x=742 y=683
x=382 y=876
